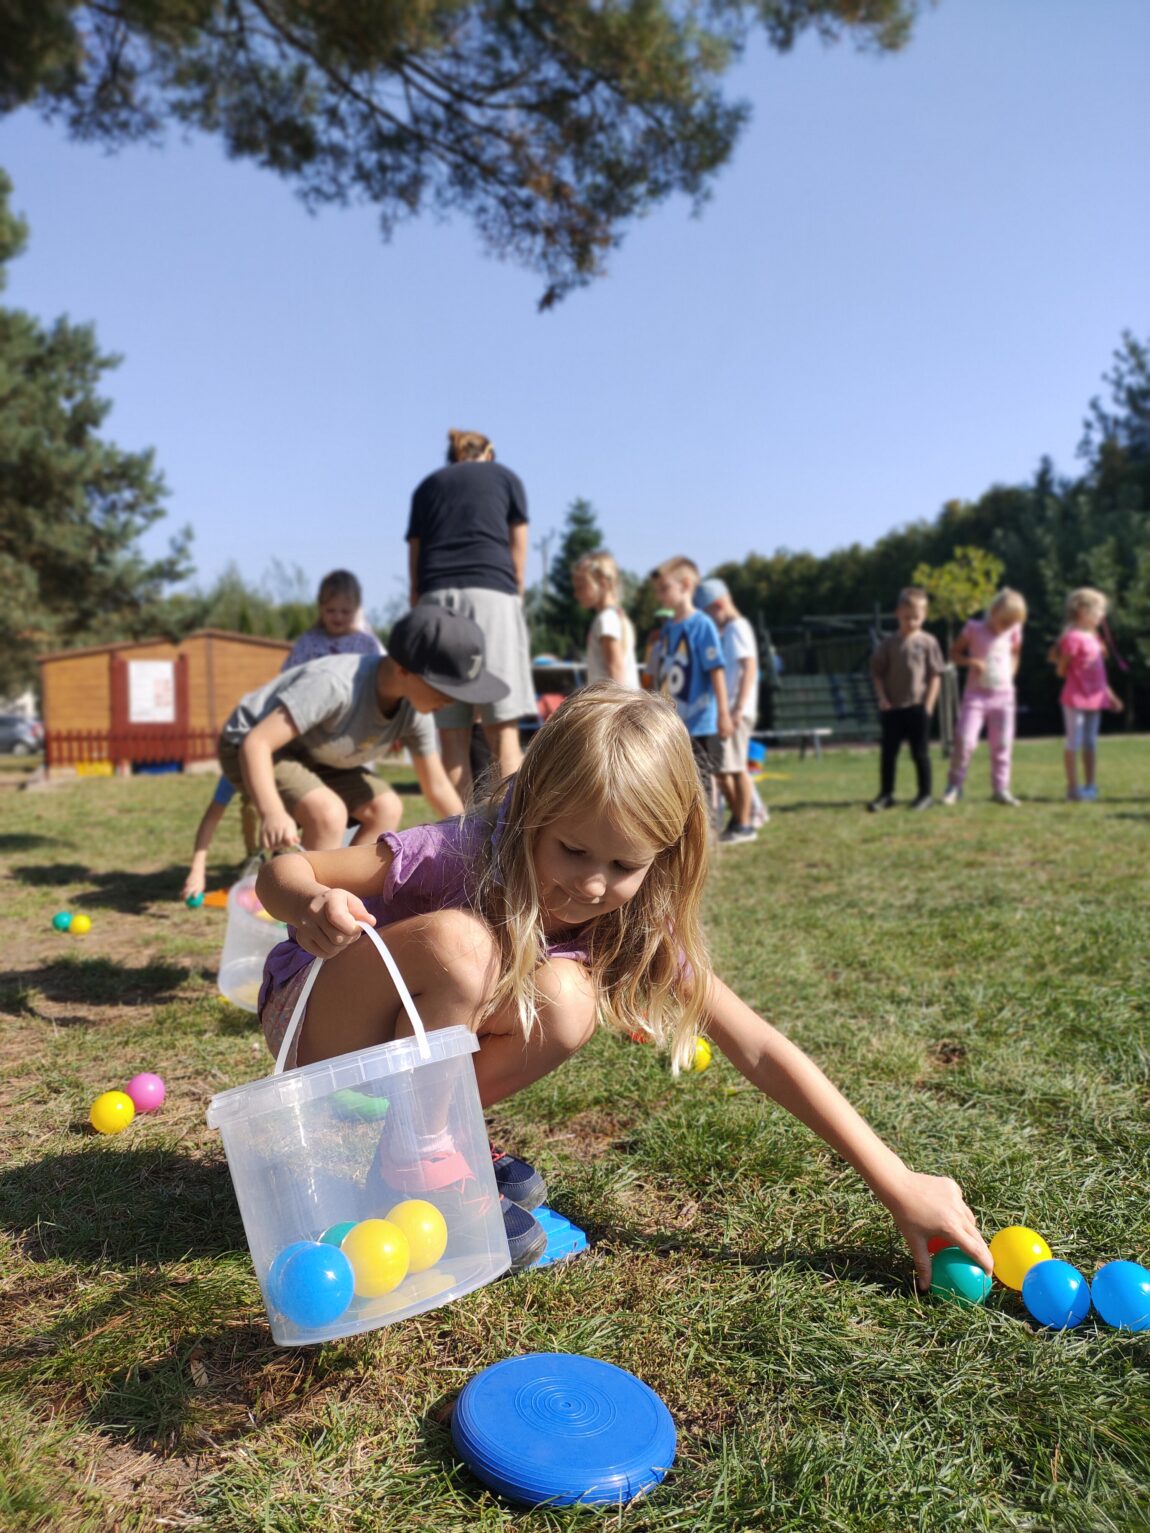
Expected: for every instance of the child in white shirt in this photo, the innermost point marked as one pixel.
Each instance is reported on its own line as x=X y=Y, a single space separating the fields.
x=989 y=647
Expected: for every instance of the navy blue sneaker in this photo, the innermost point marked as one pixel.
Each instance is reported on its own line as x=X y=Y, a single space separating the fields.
x=526 y=1237
x=517 y=1181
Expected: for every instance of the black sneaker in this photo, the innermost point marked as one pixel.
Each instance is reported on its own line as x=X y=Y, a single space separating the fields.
x=877 y=805
x=517 y=1181
x=526 y=1237
x=923 y=801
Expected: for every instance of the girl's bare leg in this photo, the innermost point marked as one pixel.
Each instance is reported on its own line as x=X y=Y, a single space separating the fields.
x=447 y=960
x=1070 y=761
x=506 y=1063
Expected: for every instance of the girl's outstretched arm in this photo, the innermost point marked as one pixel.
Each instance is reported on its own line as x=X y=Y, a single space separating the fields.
x=321 y=894
x=922 y=1206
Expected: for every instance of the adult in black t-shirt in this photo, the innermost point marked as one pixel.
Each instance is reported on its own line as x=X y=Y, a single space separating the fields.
x=467 y=550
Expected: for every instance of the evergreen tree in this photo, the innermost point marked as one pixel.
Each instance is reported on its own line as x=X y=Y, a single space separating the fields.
x=1051 y=535
x=562 y=622
x=552 y=123
x=72 y=505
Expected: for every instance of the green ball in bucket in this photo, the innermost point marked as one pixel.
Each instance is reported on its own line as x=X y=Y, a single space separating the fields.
x=359 y=1106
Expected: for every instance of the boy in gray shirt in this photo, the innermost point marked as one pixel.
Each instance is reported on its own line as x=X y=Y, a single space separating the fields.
x=301 y=744
x=907 y=669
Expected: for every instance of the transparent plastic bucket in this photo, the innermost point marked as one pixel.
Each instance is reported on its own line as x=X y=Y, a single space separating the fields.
x=250 y=936
x=330 y=1144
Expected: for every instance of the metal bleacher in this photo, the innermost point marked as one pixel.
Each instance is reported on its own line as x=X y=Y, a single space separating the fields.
x=811 y=709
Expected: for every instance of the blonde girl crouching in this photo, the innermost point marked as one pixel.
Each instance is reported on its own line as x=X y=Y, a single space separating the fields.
x=571 y=900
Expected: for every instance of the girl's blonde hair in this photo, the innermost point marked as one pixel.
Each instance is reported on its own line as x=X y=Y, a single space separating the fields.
x=608 y=753
x=1085 y=599
x=600 y=566
x=1009 y=604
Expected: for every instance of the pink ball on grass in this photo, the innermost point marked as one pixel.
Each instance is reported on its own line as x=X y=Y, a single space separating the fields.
x=146 y=1091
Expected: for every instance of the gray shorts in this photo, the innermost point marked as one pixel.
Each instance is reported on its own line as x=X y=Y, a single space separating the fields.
x=735 y=749
x=500 y=615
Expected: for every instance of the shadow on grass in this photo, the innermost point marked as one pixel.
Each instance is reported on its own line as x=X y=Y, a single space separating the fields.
x=853 y=1264
x=815 y=803
x=127 y=893
x=97 y=981
x=234 y=1022
x=23 y=842
x=206 y=1384
x=1103 y=803
x=120 y=1207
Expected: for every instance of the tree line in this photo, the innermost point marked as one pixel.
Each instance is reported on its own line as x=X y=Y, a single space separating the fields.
x=1050 y=535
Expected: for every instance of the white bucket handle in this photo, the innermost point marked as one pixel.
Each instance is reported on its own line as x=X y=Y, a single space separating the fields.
x=408 y=1004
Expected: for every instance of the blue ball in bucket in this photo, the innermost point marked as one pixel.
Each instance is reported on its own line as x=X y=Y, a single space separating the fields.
x=311 y=1284
x=557 y=1429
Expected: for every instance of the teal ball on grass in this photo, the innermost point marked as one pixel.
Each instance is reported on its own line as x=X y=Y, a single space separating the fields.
x=62 y=920
x=954 y=1276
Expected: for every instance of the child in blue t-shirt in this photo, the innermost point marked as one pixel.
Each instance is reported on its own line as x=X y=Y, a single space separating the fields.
x=690 y=664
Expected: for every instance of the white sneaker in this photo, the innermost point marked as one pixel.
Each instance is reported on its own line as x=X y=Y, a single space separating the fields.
x=1004 y=796
x=952 y=796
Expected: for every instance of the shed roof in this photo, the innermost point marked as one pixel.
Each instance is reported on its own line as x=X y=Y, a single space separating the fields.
x=198 y=633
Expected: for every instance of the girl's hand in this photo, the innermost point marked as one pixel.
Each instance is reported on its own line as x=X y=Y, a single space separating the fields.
x=926 y=1206
x=329 y=922
x=194 y=885
x=1116 y=703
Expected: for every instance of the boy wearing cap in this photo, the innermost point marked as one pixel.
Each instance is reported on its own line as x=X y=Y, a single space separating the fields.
x=741 y=668
x=301 y=745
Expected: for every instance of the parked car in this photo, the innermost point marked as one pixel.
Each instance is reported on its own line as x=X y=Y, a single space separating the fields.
x=20 y=736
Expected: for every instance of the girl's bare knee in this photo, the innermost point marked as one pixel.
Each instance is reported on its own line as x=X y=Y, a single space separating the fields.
x=568 y=1009
x=452 y=948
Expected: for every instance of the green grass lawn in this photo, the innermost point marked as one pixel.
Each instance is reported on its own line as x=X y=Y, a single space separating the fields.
x=974 y=978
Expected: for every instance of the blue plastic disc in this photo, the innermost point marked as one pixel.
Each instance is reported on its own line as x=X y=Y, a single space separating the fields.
x=556 y=1428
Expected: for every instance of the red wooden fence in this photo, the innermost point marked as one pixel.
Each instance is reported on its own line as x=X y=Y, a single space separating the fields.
x=161 y=742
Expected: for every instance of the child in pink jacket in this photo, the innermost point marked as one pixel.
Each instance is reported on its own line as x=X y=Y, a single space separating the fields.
x=1080 y=659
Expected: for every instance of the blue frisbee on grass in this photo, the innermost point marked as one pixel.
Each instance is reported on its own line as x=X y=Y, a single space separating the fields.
x=557 y=1429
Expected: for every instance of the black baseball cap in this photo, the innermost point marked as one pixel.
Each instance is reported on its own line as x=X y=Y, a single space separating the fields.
x=447 y=651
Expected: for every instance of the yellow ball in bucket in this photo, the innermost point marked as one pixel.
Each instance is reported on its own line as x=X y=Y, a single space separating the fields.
x=426 y=1231
x=379 y=1256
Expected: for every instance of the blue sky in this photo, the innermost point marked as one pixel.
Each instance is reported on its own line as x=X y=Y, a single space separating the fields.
x=905 y=288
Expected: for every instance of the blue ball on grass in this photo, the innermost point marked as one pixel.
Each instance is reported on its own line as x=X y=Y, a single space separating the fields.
x=1056 y=1294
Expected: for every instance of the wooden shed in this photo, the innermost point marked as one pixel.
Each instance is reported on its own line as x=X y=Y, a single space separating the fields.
x=149 y=703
